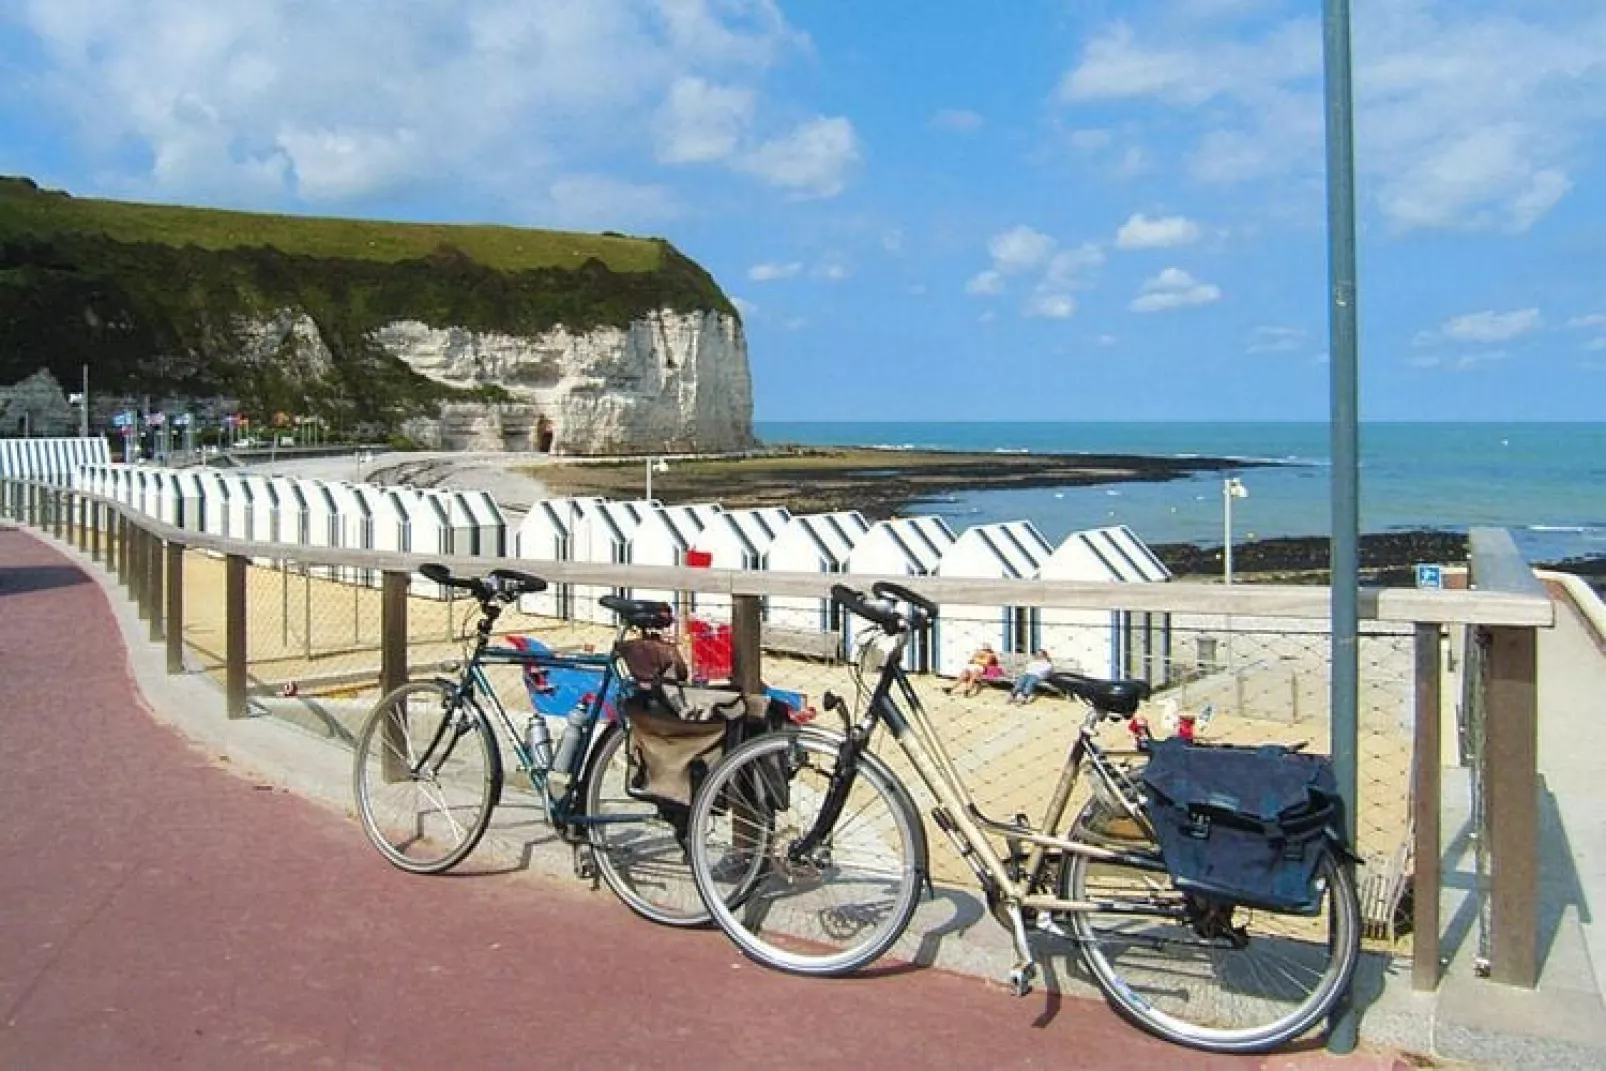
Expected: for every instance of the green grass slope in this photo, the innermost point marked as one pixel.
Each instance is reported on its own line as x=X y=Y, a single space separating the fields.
x=151 y=296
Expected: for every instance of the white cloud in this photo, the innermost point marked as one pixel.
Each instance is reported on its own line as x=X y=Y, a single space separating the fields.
x=1595 y=344
x=985 y=282
x=598 y=201
x=831 y=272
x=812 y=161
x=328 y=102
x=1173 y=288
x=763 y=273
x=747 y=308
x=1270 y=339
x=1019 y=249
x=1051 y=306
x=1104 y=340
x=1067 y=268
x=701 y=121
x=1594 y=319
x=1141 y=232
x=1488 y=326
x=1468 y=116
x=959 y=120
x=1089 y=140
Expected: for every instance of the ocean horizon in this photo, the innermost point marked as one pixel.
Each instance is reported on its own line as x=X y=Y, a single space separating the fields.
x=1541 y=481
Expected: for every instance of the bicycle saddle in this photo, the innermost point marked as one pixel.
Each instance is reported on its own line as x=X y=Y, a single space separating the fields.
x=1107 y=697
x=640 y=613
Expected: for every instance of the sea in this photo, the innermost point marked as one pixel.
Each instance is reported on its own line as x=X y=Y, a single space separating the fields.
x=1544 y=482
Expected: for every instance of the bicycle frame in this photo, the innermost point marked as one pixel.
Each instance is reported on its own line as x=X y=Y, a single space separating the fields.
x=1017 y=883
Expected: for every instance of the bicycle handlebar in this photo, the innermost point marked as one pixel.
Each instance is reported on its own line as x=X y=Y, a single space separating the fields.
x=507 y=584
x=883 y=610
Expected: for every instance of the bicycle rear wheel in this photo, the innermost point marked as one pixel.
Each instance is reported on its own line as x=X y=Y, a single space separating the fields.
x=1224 y=980
x=639 y=854
x=426 y=776
x=832 y=910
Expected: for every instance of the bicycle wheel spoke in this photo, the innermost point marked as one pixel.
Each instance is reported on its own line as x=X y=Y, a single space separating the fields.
x=429 y=820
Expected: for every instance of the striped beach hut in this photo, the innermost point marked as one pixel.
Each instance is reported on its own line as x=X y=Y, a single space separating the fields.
x=51 y=460
x=902 y=546
x=546 y=535
x=1107 y=643
x=1009 y=550
x=812 y=543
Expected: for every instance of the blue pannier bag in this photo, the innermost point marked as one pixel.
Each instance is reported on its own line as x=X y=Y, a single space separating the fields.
x=1244 y=825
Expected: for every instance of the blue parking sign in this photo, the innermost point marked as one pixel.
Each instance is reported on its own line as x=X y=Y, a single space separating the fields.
x=1430 y=576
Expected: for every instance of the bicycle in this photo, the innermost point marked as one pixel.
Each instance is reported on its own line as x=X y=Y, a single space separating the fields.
x=846 y=859
x=428 y=768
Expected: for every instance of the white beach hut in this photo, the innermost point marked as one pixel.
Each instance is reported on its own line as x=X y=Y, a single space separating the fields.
x=176 y=498
x=1009 y=550
x=545 y=535
x=903 y=546
x=602 y=532
x=1105 y=643
x=812 y=543
x=52 y=460
x=488 y=524
x=663 y=537
x=214 y=491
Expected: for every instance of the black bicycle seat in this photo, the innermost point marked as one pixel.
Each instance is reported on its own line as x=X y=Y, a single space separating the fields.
x=640 y=613
x=1108 y=697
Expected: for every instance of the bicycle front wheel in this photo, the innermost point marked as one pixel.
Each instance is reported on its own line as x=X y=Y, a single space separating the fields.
x=639 y=853
x=1219 y=979
x=426 y=776
x=832 y=909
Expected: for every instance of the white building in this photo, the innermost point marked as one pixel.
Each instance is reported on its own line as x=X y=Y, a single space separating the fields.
x=53 y=460
x=546 y=535
x=663 y=537
x=601 y=534
x=1010 y=550
x=903 y=546
x=812 y=543
x=1106 y=643
x=737 y=539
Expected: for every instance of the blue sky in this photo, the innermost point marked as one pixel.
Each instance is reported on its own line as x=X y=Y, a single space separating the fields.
x=1041 y=210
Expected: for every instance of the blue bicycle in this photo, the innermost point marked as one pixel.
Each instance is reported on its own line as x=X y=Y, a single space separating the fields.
x=429 y=761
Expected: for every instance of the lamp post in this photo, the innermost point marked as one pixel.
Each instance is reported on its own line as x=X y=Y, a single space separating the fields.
x=654 y=464
x=1231 y=488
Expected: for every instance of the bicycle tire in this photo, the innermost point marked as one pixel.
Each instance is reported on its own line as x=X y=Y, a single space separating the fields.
x=1195 y=991
x=640 y=855
x=426 y=823
x=834 y=912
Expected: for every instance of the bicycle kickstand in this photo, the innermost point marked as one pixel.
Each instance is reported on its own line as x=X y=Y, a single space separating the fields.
x=1025 y=969
x=585 y=864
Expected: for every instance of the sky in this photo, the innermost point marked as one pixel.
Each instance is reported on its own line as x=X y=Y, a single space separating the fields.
x=1038 y=210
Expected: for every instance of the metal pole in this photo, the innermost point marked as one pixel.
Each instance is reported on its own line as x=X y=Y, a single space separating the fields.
x=649 y=479
x=83 y=412
x=1345 y=561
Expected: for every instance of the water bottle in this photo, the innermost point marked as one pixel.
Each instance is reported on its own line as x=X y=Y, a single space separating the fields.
x=539 y=740
x=569 y=743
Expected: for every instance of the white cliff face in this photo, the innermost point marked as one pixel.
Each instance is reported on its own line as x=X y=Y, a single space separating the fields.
x=670 y=381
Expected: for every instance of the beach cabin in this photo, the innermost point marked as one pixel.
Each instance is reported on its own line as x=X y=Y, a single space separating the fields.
x=602 y=532
x=903 y=546
x=1009 y=550
x=214 y=491
x=486 y=522
x=323 y=520
x=52 y=460
x=353 y=529
x=545 y=535
x=663 y=537
x=176 y=495
x=812 y=543
x=736 y=539
x=425 y=528
x=1107 y=643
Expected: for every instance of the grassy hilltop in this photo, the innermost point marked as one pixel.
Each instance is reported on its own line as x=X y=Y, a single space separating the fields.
x=151 y=296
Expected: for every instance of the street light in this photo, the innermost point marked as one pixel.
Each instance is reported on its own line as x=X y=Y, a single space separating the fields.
x=654 y=464
x=1231 y=488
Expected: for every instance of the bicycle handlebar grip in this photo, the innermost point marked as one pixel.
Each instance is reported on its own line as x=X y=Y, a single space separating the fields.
x=855 y=602
x=888 y=589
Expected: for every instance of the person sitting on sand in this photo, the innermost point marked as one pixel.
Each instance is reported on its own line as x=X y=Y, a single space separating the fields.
x=1034 y=673
x=982 y=666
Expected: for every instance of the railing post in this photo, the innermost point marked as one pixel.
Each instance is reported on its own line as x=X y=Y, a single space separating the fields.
x=122 y=549
x=94 y=530
x=58 y=504
x=141 y=579
x=1426 y=791
x=154 y=592
x=746 y=668
x=175 y=608
x=234 y=610
x=1511 y=754
x=392 y=632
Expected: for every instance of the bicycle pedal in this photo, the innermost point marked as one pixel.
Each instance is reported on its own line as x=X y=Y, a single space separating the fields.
x=1020 y=979
x=585 y=864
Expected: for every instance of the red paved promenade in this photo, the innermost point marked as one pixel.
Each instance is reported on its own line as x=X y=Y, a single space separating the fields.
x=156 y=909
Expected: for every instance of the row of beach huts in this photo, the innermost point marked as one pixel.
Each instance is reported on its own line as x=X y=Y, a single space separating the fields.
x=333 y=513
